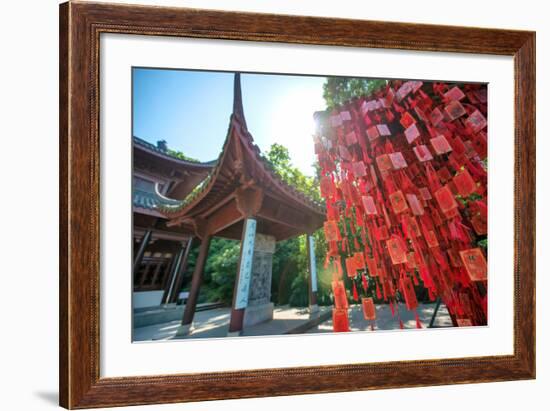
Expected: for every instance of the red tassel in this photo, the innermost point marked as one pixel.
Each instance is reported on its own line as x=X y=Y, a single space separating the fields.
x=365 y=284
x=378 y=293
x=401 y=326
x=355 y=294
x=418 y=323
x=392 y=309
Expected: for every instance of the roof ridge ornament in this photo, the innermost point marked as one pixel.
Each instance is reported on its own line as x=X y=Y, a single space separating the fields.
x=238 y=110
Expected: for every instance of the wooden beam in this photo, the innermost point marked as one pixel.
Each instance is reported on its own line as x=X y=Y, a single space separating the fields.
x=249 y=200
x=224 y=217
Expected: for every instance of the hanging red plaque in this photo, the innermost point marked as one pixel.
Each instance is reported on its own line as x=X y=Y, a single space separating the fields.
x=397 y=160
x=445 y=199
x=408 y=293
x=415 y=205
x=384 y=163
x=383 y=130
x=350 y=267
x=475 y=264
x=332 y=233
x=464 y=183
x=372 y=133
x=454 y=110
x=436 y=116
x=476 y=122
x=422 y=153
x=340 y=321
x=358 y=169
x=359 y=260
x=369 y=311
x=411 y=133
x=368 y=205
x=351 y=138
x=397 y=250
x=441 y=145
x=339 y=293
x=454 y=94
x=398 y=202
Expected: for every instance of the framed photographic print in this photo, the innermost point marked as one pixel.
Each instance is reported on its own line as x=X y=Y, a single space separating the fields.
x=258 y=205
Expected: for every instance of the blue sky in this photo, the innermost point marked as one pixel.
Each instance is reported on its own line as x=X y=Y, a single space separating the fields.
x=191 y=109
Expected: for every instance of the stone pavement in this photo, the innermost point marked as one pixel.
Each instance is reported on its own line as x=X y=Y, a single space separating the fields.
x=215 y=323
x=385 y=321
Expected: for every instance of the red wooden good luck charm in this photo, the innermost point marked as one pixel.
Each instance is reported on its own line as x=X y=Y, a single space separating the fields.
x=327 y=187
x=339 y=293
x=345 y=116
x=384 y=163
x=441 y=145
x=350 y=267
x=426 y=195
x=359 y=260
x=475 y=264
x=444 y=174
x=411 y=261
x=464 y=183
x=372 y=266
x=351 y=138
x=413 y=230
x=397 y=250
x=445 y=199
x=344 y=153
x=454 y=110
x=368 y=205
x=407 y=120
x=398 y=202
x=383 y=130
x=454 y=94
x=423 y=153
x=373 y=133
x=436 y=116
x=415 y=205
x=408 y=293
x=479 y=224
x=332 y=232
x=369 y=311
x=411 y=133
x=340 y=321
x=358 y=169
x=431 y=238
x=476 y=122
x=397 y=160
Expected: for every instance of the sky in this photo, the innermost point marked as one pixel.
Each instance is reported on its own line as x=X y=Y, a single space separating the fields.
x=191 y=109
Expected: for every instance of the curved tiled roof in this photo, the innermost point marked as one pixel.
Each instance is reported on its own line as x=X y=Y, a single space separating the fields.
x=150 y=200
x=204 y=186
x=169 y=156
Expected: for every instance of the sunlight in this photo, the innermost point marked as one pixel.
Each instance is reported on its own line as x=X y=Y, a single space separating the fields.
x=292 y=125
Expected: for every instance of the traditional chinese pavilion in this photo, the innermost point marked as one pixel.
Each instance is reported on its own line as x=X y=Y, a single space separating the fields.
x=160 y=178
x=243 y=198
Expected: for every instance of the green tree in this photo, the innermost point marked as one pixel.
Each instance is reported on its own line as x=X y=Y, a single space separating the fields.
x=338 y=90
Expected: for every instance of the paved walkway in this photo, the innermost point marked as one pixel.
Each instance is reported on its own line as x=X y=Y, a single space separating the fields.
x=215 y=323
x=385 y=321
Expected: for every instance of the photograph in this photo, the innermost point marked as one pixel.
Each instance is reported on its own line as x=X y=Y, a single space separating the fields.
x=273 y=204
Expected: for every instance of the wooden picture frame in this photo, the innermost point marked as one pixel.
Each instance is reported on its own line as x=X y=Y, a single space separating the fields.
x=80 y=27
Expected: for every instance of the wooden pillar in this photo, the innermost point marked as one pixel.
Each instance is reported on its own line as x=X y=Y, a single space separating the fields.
x=244 y=274
x=196 y=281
x=141 y=250
x=179 y=272
x=312 y=277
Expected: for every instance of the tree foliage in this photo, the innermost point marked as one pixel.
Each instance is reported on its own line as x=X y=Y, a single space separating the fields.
x=279 y=158
x=338 y=90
